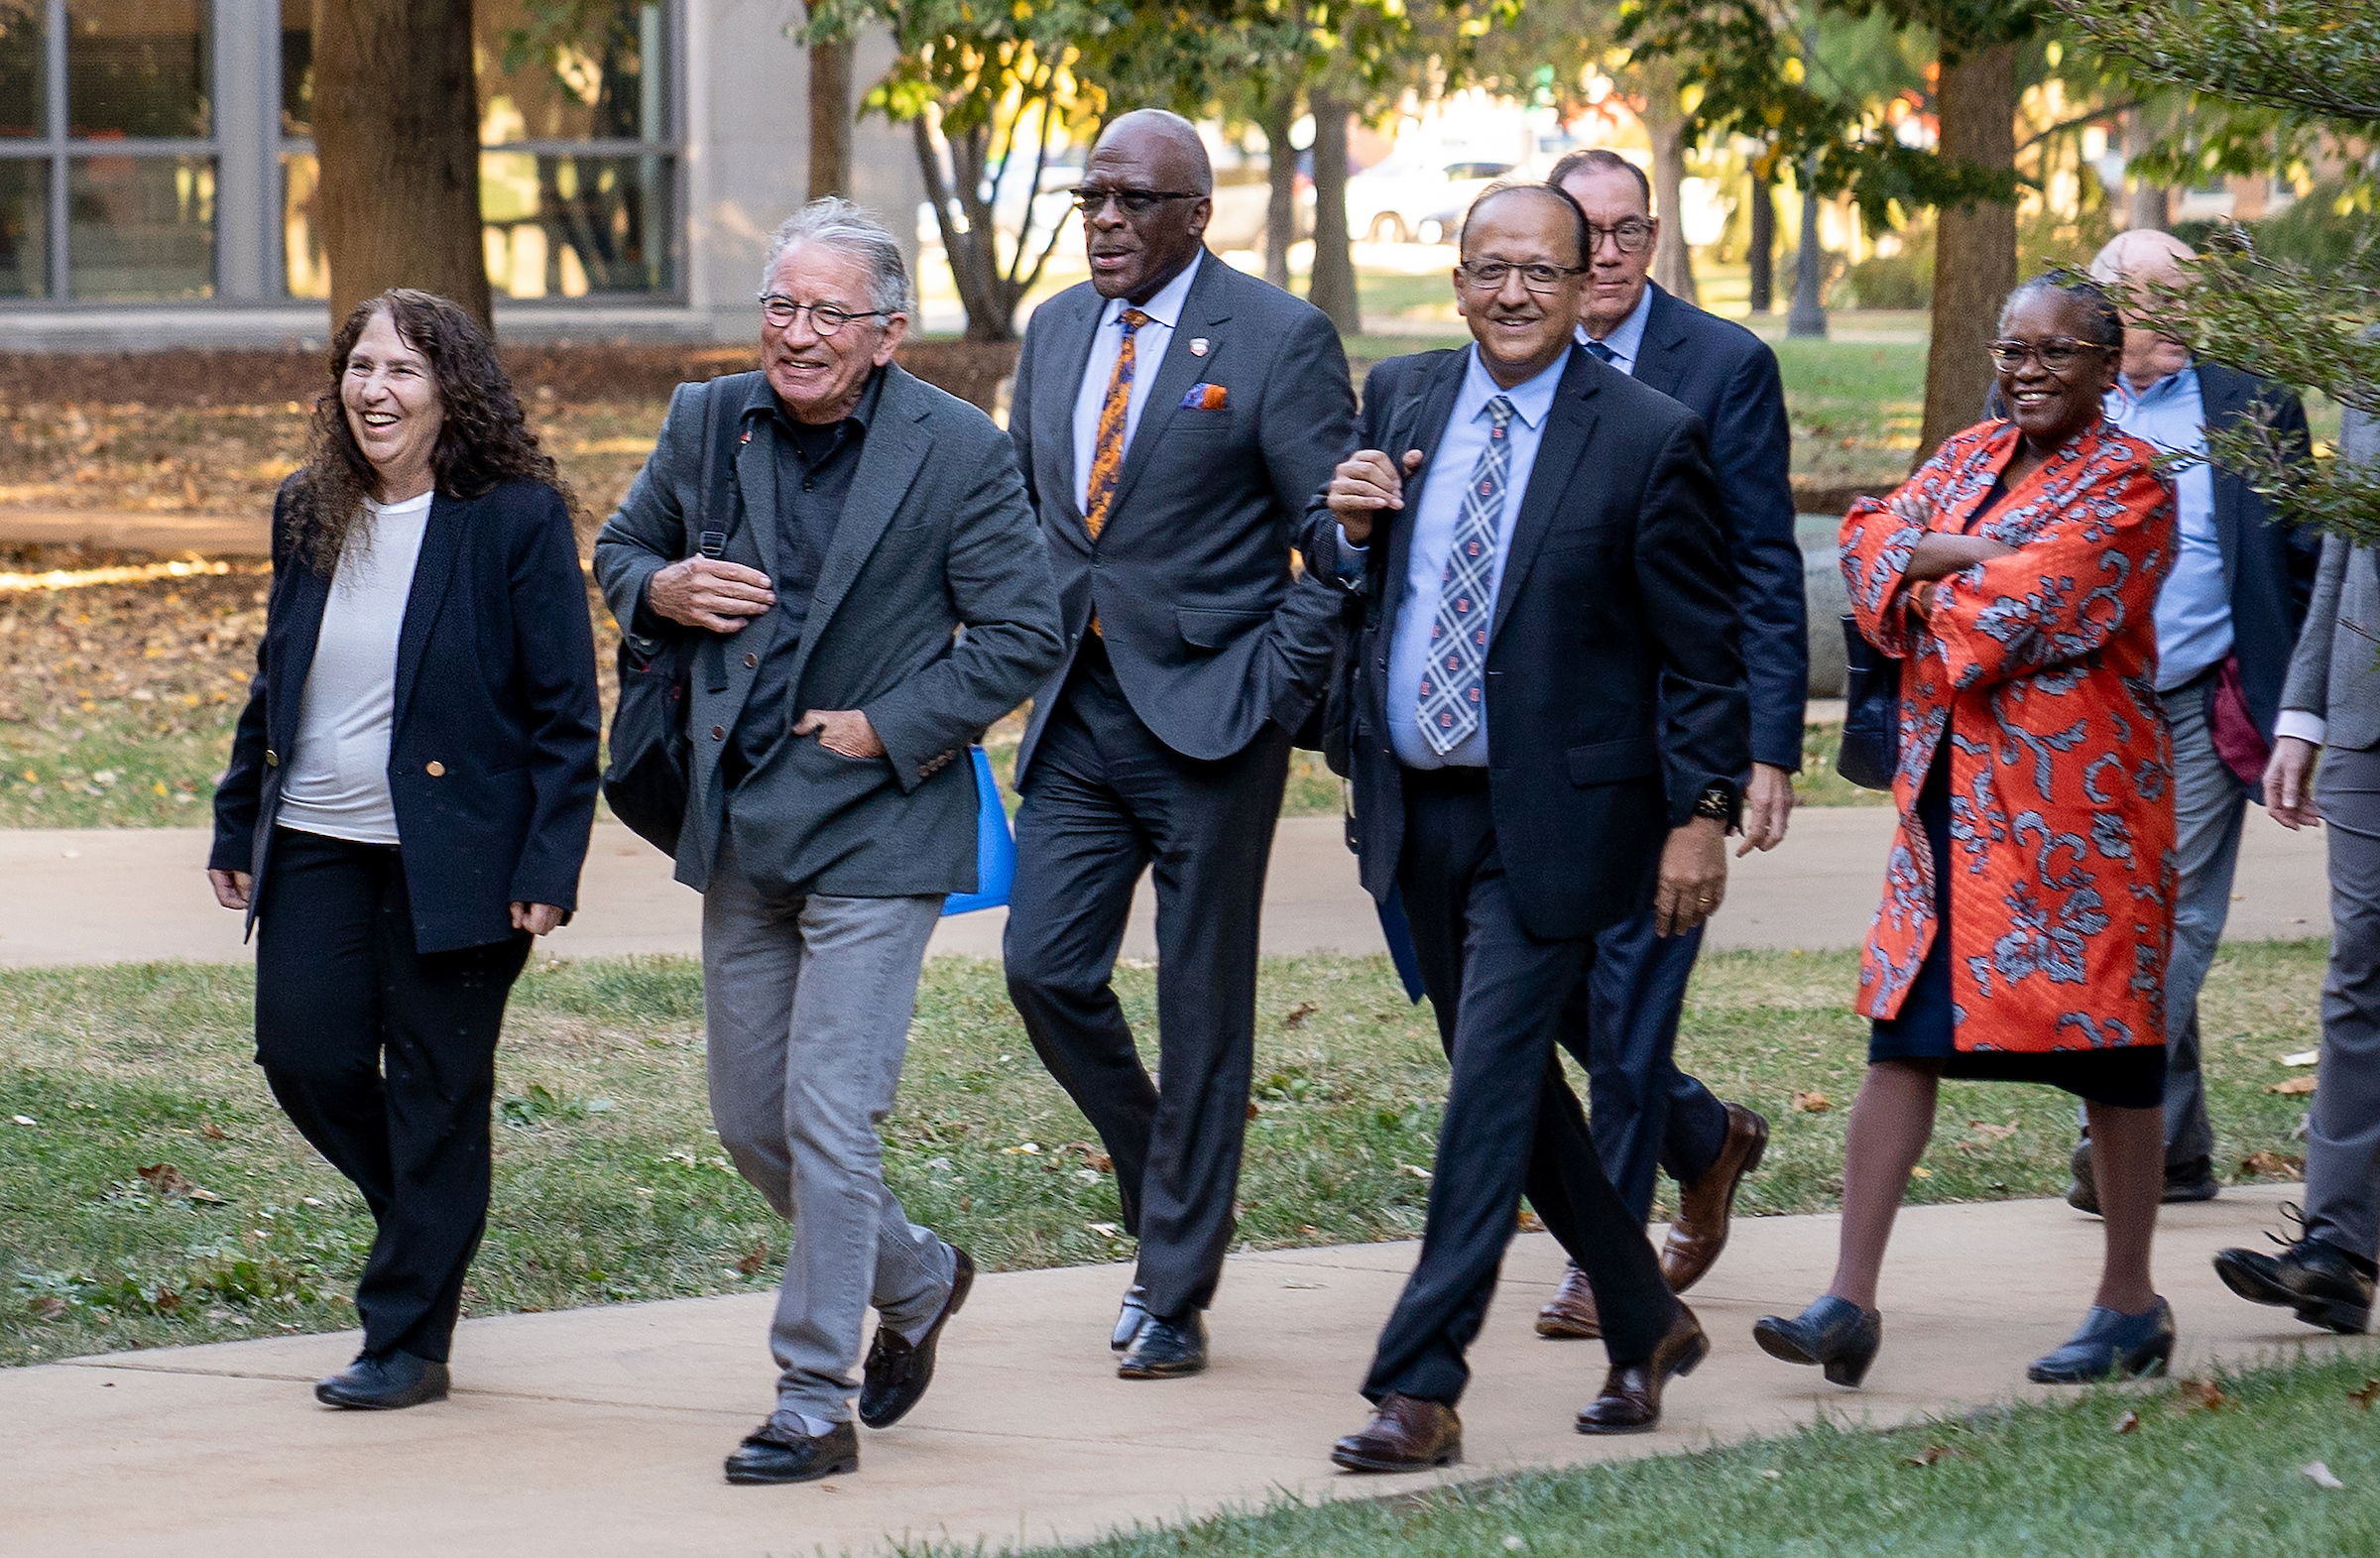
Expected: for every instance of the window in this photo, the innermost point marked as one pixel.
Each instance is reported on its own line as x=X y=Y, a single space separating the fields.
x=578 y=187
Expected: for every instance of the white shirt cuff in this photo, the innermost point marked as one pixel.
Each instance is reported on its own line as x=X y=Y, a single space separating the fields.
x=2304 y=724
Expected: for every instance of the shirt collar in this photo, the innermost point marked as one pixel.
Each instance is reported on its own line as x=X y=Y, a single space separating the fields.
x=2171 y=384
x=1626 y=339
x=1165 y=307
x=1531 y=399
x=761 y=399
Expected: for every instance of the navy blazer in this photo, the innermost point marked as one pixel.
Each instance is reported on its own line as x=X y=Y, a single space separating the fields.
x=2269 y=568
x=492 y=740
x=1728 y=375
x=1615 y=689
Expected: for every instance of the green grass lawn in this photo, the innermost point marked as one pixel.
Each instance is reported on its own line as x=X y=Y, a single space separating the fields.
x=2057 y=1481
x=610 y=1185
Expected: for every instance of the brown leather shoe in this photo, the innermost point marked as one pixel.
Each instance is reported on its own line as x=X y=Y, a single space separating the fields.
x=1405 y=1434
x=1700 y=1230
x=1631 y=1398
x=1569 y=1314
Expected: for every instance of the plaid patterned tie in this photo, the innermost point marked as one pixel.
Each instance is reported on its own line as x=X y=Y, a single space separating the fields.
x=1453 y=692
x=1106 y=450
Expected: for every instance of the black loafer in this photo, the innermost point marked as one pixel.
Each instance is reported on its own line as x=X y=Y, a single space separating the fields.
x=384 y=1383
x=770 y=1455
x=1166 y=1349
x=898 y=1370
x=1130 y=1318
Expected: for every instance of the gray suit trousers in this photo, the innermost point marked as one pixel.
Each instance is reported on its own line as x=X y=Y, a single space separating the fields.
x=808 y=1004
x=2342 y=1133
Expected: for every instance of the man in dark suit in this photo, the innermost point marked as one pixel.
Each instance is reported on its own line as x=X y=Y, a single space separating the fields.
x=2227 y=621
x=1173 y=417
x=864 y=520
x=1622 y=1023
x=1554 y=579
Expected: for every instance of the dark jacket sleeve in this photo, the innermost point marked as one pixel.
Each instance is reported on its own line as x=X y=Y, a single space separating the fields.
x=1319 y=543
x=2304 y=543
x=1752 y=451
x=648 y=532
x=240 y=793
x=1020 y=421
x=554 y=648
x=1309 y=408
x=1687 y=580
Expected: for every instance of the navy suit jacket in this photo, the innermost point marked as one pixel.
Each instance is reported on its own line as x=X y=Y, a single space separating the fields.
x=491 y=743
x=1727 y=376
x=2269 y=567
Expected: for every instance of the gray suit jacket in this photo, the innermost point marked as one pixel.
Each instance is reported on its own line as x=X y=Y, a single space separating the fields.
x=934 y=536
x=1210 y=630
x=2336 y=673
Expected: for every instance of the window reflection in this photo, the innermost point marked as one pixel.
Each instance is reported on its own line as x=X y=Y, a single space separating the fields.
x=22 y=75
x=141 y=228
x=24 y=229
x=297 y=69
x=592 y=71
x=138 y=68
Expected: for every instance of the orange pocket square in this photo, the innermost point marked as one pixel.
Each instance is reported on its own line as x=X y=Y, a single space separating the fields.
x=1205 y=397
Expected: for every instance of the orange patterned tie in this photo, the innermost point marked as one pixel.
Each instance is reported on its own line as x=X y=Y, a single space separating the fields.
x=1106 y=450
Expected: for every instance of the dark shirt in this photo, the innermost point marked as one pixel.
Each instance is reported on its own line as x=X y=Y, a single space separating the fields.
x=816 y=463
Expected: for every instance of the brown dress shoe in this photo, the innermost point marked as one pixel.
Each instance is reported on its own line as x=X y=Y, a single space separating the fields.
x=1405 y=1434
x=1631 y=1398
x=1700 y=1230
x=1569 y=1314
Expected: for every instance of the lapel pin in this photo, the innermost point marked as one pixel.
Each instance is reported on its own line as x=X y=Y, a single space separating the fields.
x=1198 y=346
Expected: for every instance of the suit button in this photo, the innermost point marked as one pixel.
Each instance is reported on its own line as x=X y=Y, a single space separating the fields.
x=434 y=769
x=718 y=732
x=750 y=661
x=272 y=759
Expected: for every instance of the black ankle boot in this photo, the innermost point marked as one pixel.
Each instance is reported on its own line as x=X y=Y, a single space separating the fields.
x=1833 y=1332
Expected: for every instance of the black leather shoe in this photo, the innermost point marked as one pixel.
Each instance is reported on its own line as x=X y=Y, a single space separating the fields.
x=1130 y=1318
x=2083 y=1193
x=899 y=1371
x=1833 y=1332
x=384 y=1383
x=1631 y=1398
x=1166 y=1349
x=2312 y=1276
x=2184 y=1182
x=2110 y=1346
x=770 y=1455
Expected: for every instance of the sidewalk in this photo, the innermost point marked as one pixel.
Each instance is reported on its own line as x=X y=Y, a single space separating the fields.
x=119 y=894
x=601 y=1431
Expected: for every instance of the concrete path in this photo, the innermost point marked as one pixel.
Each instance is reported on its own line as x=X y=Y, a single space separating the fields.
x=118 y=895
x=600 y=1431
x=166 y=533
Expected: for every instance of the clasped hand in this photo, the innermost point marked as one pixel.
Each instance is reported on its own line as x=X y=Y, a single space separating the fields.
x=1365 y=483
x=703 y=592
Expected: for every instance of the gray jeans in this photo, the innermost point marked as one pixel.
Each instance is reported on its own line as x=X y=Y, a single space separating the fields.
x=807 y=1004
x=2209 y=804
x=2342 y=1134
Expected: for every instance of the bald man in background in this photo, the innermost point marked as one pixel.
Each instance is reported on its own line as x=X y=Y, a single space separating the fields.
x=2227 y=621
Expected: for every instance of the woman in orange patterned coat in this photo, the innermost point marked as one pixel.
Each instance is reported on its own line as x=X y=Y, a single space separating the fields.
x=2028 y=894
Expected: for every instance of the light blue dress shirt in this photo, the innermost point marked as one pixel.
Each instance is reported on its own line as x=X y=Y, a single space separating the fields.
x=1626 y=339
x=1164 y=311
x=2194 y=610
x=1433 y=514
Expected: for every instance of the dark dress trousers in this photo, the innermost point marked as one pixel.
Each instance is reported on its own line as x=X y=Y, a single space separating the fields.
x=382 y=972
x=1621 y=1023
x=1163 y=739
x=1614 y=697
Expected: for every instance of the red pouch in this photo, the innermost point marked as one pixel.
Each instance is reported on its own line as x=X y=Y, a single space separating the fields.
x=2237 y=741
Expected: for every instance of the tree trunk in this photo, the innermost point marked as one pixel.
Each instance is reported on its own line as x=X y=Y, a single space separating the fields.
x=1280 y=205
x=2146 y=204
x=397 y=132
x=1974 y=249
x=1808 y=316
x=1332 y=287
x=1765 y=240
x=830 y=119
x=1665 y=123
x=972 y=255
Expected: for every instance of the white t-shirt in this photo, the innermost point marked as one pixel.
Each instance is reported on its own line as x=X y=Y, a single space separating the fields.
x=338 y=780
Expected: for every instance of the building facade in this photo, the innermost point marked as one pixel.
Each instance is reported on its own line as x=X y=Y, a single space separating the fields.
x=157 y=177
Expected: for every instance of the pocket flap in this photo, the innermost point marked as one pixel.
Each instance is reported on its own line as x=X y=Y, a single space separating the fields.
x=1611 y=762
x=1214 y=629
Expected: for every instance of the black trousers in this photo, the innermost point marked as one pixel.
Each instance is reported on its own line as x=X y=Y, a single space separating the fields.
x=1498 y=992
x=384 y=1059
x=1104 y=800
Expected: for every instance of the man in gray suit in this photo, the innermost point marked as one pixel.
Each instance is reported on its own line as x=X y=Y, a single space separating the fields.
x=2331 y=704
x=1172 y=417
x=853 y=521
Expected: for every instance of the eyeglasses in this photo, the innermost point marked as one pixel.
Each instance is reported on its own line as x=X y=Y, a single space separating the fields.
x=2056 y=355
x=1131 y=202
x=1489 y=275
x=825 y=317
x=1633 y=234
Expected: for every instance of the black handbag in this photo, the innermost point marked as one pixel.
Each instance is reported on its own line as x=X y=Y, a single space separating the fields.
x=1871 y=718
x=647 y=781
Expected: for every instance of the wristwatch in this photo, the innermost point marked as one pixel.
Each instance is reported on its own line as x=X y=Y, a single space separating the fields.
x=1718 y=802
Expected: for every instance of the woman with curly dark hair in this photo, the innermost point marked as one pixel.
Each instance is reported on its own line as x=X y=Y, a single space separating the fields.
x=409 y=794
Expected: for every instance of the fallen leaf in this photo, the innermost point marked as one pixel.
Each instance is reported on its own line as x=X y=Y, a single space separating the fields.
x=1930 y=1454
x=751 y=1263
x=2128 y=1423
x=1252 y=1109
x=1530 y=1223
x=1408 y=1168
x=2292 y=1085
x=209 y=1129
x=2367 y=1395
x=1103 y=1229
x=1812 y=1103
x=2274 y=1164
x=2319 y=1475
x=1298 y=1013
x=2304 y=1058
x=1921 y=1171
x=167 y=1301
x=2191 y=1395
x=164 y=1179
x=46 y=1307
x=1990 y=1132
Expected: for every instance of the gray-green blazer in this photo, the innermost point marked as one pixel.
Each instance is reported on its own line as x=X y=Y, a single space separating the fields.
x=935 y=537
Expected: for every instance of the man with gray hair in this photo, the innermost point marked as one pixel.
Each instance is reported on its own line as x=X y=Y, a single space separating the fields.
x=821 y=531
x=2228 y=618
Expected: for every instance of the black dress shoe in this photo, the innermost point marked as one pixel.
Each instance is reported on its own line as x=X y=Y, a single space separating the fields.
x=1631 y=1398
x=1130 y=1318
x=1833 y=1332
x=770 y=1454
x=384 y=1383
x=1166 y=1349
x=899 y=1371
x=2184 y=1182
x=1405 y=1434
x=2315 y=1277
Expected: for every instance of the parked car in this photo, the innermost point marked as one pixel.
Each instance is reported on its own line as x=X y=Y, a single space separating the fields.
x=1243 y=202
x=1407 y=200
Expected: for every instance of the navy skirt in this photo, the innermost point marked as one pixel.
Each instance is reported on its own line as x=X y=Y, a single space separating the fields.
x=2132 y=1077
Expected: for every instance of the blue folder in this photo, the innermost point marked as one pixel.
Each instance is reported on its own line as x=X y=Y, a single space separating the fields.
x=994 y=846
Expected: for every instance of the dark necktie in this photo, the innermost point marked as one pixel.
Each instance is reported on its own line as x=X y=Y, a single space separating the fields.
x=1602 y=352
x=1452 y=693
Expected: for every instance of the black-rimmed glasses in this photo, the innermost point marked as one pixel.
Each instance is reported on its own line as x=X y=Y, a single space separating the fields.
x=825 y=317
x=1634 y=235
x=2057 y=354
x=1131 y=202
